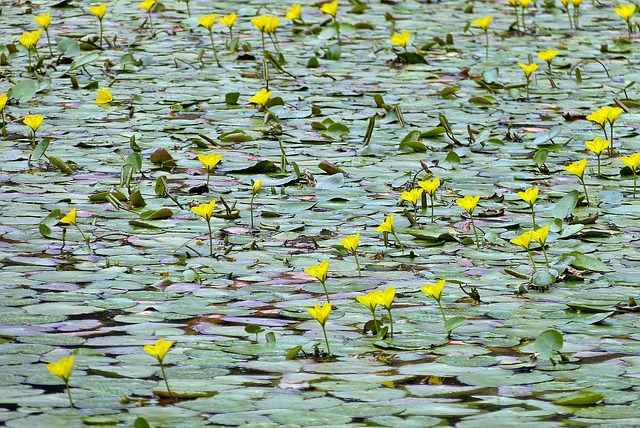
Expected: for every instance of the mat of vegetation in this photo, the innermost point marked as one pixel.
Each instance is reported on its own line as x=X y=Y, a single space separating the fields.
x=413 y=224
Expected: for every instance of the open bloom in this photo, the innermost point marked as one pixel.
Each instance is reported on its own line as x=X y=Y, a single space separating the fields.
x=401 y=39
x=385 y=298
x=330 y=8
x=159 y=350
x=598 y=145
x=228 y=20
x=411 y=196
x=599 y=116
x=351 y=242
x=43 y=20
x=147 y=5
x=205 y=210
x=266 y=24
x=540 y=235
x=625 y=11
x=207 y=21
x=530 y=195
x=430 y=186
x=62 y=368
x=369 y=300
x=468 y=203
x=3 y=100
x=523 y=240
x=318 y=271
x=70 y=218
x=30 y=39
x=548 y=55
x=99 y=11
x=632 y=161
x=257 y=185
x=104 y=96
x=386 y=225
x=577 y=168
x=33 y=121
x=612 y=114
x=483 y=22
x=434 y=290
x=209 y=161
x=261 y=97
x=294 y=12
x=320 y=313
x=528 y=68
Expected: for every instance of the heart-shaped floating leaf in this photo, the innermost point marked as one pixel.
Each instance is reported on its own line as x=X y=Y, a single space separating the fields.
x=580 y=398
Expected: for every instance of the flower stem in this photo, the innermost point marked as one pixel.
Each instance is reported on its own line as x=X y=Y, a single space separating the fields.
x=442 y=311
x=100 y=33
x=46 y=30
x=251 y=208
x=326 y=339
x=164 y=375
x=397 y=239
x=30 y=66
x=210 y=238
x=598 y=165
x=213 y=46
x=390 y=320
x=475 y=232
x=66 y=382
x=357 y=262
x=533 y=263
x=4 y=124
x=375 y=319
x=150 y=24
x=533 y=217
x=635 y=177
x=586 y=195
x=86 y=240
x=433 y=219
x=486 y=45
x=324 y=286
x=546 y=259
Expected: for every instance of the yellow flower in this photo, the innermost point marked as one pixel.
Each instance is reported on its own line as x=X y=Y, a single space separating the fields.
x=43 y=20
x=318 y=271
x=468 y=203
x=385 y=298
x=70 y=218
x=228 y=20
x=33 y=121
x=548 y=55
x=62 y=368
x=597 y=146
x=351 y=242
x=599 y=116
x=209 y=161
x=525 y=3
x=528 y=68
x=523 y=240
x=205 y=210
x=632 y=161
x=625 y=11
x=430 y=186
x=386 y=225
x=147 y=5
x=401 y=39
x=576 y=3
x=159 y=350
x=514 y=3
x=612 y=114
x=294 y=12
x=99 y=11
x=30 y=39
x=208 y=21
x=257 y=185
x=530 y=195
x=434 y=290
x=104 y=96
x=266 y=24
x=483 y=22
x=412 y=196
x=3 y=100
x=369 y=300
x=540 y=235
x=577 y=168
x=330 y=8
x=321 y=313
x=261 y=97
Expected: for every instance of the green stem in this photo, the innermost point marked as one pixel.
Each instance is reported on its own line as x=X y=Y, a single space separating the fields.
x=335 y=21
x=357 y=262
x=251 y=208
x=188 y=9
x=611 y=133
x=524 y=27
x=486 y=45
x=213 y=46
x=397 y=239
x=100 y=33
x=433 y=219
x=66 y=382
x=375 y=319
x=30 y=66
x=164 y=375
x=208 y=178
x=150 y=24
x=635 y=177
x=533 y=263
x=533 y=217
x=385 y=237
x=46 y=31
x=326 y=340
x=475 y=232
x=86 y=240
x=546 y=259
x=598 y=156
x=390 y=320
x=586 y=195
x=515 y=8
x=33 y=138
x=441 y=310
x=4 y=124
x=528 y=83
x=210 y=238
x=324 y=286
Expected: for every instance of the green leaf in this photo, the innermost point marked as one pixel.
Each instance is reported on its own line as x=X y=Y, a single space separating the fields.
x=411 y=58
x=160 y=214
x=41 y=148
x=565 y=206
x=23 y=91
x=83 y=61
x=253 y=329
x=141 y=422
x=333 y=53
x=51 y=219
x=293 y=352
x=262 y=167
x=548 y=343
x=231 y=98
x=454 y=322
x=584 y=262
x=451 y=161
x=580 y=398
